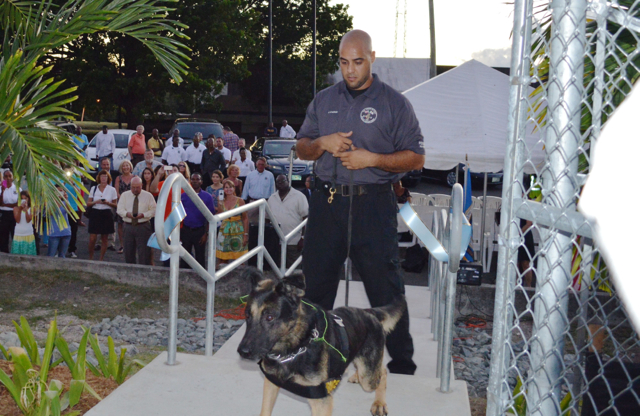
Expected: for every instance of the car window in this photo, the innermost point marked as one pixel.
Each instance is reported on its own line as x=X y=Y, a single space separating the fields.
x=122 y=140
x=190 y=129
x=277 y=148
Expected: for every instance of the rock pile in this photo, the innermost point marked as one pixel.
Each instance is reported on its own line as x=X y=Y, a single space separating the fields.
x=154 y=332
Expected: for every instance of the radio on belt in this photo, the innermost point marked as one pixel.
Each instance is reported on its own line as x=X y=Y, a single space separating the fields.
x=470 y=274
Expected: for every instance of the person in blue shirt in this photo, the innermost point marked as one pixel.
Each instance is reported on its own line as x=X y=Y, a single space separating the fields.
x=195 y=227
x=59 y=233
x=81 y=141
x=73 y=222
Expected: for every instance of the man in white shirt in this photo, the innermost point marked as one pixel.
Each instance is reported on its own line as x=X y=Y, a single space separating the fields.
x=176 y=133
x=105 y=144
x=137 y=207
x=193 y=155
x=172 y=155
x=290 y=208
x=259 y=184
x=236 y=155
x=245 y=164
x=287 y=131
x=225 y=152
x=148 y=162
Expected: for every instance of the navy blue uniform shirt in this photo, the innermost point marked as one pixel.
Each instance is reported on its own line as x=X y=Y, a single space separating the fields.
x=382 y=121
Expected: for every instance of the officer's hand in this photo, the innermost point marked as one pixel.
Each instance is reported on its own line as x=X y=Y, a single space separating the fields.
x=336 y=142
x=357 y=158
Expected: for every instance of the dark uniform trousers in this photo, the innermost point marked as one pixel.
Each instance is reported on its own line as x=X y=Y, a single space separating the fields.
x=190 y=238
x=374 y=252
x=135 y=242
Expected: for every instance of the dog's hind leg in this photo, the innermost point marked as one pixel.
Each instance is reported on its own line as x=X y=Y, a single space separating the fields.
x=321 y=407
x=269 y=394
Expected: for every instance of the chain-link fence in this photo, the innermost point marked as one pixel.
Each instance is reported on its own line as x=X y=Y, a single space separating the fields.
x=571 y=349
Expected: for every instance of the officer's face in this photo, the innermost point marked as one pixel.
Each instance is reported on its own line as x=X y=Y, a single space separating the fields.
x=355 y=64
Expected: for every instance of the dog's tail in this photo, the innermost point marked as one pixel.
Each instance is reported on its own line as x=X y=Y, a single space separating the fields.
x=390 y=314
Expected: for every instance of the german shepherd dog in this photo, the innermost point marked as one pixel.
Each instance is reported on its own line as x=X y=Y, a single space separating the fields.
x=306 y=350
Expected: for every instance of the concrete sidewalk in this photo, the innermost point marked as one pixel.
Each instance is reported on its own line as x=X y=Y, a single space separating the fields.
x=226 y=385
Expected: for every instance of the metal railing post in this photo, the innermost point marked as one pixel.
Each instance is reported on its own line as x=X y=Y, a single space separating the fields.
x=211 y=288
x=173 y=282
x=261 y=223
x=455 y=243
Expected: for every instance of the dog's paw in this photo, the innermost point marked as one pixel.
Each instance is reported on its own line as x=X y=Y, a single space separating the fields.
x=379 y=408
x=354 y=378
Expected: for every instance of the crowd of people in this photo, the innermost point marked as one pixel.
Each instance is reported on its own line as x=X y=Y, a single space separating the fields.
x=121 y=204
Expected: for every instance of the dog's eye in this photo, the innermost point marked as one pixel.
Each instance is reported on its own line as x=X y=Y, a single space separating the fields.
x=269 y=318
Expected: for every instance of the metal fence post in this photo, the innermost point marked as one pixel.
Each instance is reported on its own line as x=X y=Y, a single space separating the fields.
x=261 y=223
x=211 y=288
x=559 y=182
x=497 y=390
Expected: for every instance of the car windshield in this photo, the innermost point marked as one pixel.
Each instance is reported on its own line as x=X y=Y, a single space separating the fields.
x=122 y=141
x=188 y=130
x=277 y=148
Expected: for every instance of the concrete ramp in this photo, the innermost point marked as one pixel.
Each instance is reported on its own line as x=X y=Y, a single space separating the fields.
x=226 y=385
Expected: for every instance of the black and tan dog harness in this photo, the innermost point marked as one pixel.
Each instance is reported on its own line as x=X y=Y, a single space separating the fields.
x=337 y=362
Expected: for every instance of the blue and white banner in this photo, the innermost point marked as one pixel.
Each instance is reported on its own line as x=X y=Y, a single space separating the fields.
x=173 y=220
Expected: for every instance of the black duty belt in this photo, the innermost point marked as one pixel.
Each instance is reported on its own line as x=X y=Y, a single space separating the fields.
x=358 y=190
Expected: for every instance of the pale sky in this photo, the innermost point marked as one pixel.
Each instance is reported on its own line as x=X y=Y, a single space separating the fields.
x=465 y=29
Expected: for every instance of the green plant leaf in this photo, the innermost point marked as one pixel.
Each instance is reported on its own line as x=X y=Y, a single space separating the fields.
x=91 y=391
x=75 y=391
x=21 y=364
x=27 y=340
x=4 y=352
x=119 y=376
x=95 y=345
x=113 y=363
x=81 y=357
x=48 y=350
x=13 y=389
x=96 y=371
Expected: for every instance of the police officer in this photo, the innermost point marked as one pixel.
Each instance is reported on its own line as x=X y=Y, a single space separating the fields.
x=364 y=135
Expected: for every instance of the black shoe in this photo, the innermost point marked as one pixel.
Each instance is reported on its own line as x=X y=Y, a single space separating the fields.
x=97 y=247
x=402 y=367
x=111 y=248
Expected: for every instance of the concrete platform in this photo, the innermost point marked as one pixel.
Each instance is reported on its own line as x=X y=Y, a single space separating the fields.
x=226 y=385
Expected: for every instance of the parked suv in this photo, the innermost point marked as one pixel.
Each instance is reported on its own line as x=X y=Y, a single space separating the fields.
x=276 y=151
x=190 y=126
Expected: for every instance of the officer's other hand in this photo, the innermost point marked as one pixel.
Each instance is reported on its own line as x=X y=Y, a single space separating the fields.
x=337 y=142
x=357 y=158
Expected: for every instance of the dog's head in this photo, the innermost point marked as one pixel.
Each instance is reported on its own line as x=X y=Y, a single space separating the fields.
x=271 y=312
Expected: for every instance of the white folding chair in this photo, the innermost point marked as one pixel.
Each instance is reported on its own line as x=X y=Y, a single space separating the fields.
x=418 y=199
x=441 y=200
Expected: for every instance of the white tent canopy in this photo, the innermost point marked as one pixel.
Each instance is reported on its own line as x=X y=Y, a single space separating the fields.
x=463 y=112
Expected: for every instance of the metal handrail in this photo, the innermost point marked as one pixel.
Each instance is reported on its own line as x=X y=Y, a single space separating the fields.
x=173 y=186
x=442 y=282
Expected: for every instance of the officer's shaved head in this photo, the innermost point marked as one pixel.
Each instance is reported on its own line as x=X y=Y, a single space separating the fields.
x=359 y=37
x=356 y=58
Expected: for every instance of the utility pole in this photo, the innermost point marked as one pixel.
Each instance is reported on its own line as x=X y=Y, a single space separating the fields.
x=432 y=41
x=313 y=54
x=270 y=61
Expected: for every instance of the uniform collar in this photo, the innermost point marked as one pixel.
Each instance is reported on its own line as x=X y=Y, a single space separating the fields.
x=372 y=91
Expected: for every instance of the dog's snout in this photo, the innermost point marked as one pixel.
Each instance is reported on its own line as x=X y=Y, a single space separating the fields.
x=244 y=351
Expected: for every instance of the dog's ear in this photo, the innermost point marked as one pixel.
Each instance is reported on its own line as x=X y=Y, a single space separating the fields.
x=254 y=275
x=294 y=283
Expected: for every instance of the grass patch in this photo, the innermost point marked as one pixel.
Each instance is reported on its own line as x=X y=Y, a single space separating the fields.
x=37 y=293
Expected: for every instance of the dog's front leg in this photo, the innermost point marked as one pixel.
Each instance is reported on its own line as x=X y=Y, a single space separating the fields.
x=269 y=395
x=321 y=407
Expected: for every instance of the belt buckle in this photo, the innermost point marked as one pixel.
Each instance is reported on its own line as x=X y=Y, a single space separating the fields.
x=345 y=190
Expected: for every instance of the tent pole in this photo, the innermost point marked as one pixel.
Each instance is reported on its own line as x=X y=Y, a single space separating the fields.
x=482 y=224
